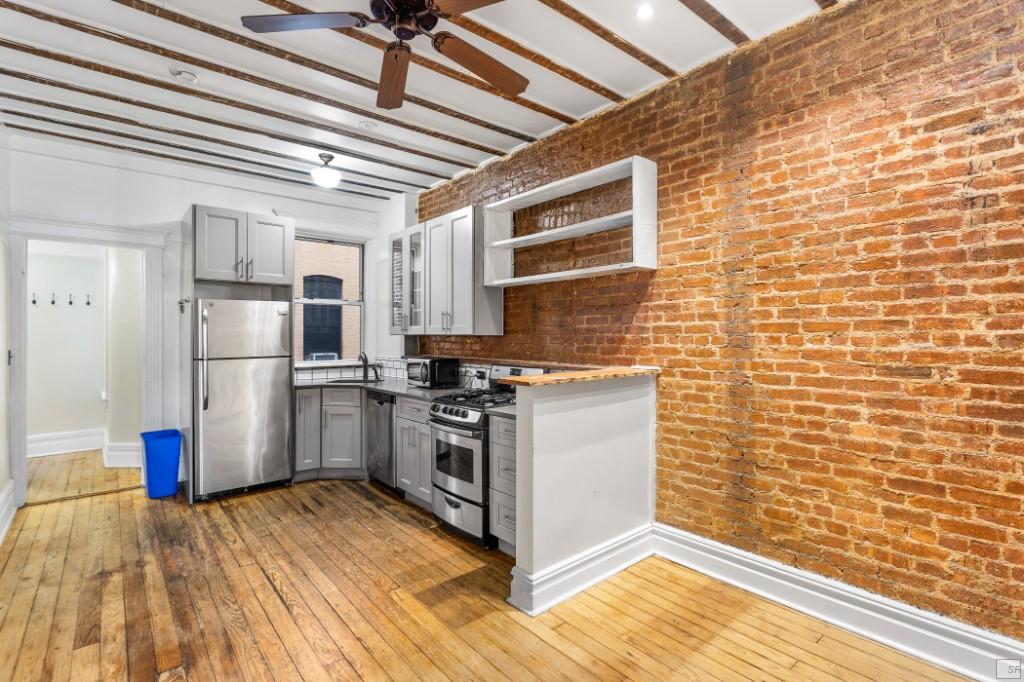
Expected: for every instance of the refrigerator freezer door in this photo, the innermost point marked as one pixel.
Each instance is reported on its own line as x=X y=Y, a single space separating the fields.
x=243 y=437
x=242 y=329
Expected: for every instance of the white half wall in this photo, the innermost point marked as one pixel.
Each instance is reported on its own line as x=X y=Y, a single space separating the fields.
x=124 y=287
x=5 y=313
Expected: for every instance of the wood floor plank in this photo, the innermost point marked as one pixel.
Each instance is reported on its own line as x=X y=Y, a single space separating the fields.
x=332 y=580
x=66 y=476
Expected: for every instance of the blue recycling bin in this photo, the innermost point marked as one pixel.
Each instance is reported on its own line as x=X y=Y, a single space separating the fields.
x=163 y=452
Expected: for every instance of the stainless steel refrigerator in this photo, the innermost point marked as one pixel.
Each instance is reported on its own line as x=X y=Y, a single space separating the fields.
x=242 y=395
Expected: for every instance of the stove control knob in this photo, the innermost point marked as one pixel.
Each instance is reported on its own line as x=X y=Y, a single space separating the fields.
x=463 y=413
x=434 y=408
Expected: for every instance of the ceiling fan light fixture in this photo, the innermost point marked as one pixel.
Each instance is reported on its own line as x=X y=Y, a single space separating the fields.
x=325 y=176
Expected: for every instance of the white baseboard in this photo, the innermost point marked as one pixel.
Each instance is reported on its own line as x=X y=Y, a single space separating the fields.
x=535 y=593
x=7 y=508
x=41 y=444
x=939 y=640
x=122 y=455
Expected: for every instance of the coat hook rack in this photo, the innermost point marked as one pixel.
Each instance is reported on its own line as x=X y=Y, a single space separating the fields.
x=53 y=299
x=88 y=300
x=35 y=301
x=71 y=299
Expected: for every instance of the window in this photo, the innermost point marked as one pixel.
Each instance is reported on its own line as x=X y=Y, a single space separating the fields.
x=328 y=301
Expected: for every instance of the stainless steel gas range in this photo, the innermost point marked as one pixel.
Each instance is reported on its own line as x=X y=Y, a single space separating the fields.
x=458 y=427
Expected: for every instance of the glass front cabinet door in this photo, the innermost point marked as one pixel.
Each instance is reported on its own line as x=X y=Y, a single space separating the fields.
x=407 y=295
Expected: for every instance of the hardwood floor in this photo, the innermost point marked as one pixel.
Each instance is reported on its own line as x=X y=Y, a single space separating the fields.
x=57 y=477
x=333 y=580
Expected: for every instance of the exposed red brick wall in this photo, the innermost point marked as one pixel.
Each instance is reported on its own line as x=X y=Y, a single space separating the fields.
x=839 y=308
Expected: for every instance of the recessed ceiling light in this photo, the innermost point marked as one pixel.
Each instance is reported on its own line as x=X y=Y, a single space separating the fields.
x=325 y=176
x=645 y=11
x=186 y=77
x=367 y=125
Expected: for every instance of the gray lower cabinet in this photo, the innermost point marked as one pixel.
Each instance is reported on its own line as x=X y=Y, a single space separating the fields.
x=342 y=444
x=307 y=429
x=503 y=480
x=414 y=466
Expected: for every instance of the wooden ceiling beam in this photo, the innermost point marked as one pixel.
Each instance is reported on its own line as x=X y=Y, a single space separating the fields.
x=180 y=159
x=573 y=14
x=254 y=79
x=295 y=58
x=514 y=47
x=281 y=137
x=436 y=67
x=717 y=21
x=170 y=131
x=825 y=4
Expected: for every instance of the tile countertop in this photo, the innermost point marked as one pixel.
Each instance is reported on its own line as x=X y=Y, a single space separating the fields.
x=396 y=387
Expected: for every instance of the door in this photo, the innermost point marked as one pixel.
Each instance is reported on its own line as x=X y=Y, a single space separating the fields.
x=342 y=446
x=458 y=461
x=221 y=241
x=463 y=272
x=397 y=306
x=425 y=461
x=439 y=249
x=407 y=451
x=242 y=423
x=307 y=429
x=242 y=329
x=270 y=251
x=415 y=264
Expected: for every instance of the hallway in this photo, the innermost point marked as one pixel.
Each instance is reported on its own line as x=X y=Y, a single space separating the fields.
x=57 y=477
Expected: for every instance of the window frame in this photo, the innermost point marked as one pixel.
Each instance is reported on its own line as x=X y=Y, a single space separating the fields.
x=360 y=303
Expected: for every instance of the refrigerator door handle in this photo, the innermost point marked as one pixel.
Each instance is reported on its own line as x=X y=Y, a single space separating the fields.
x=206 y=360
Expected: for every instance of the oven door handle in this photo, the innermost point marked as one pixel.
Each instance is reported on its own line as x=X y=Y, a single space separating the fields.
x=448 y=428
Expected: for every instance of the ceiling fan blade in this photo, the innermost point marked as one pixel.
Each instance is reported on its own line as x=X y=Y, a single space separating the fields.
x=453 y=7
x=271 y=23
x=480 y=63
x=393 y=74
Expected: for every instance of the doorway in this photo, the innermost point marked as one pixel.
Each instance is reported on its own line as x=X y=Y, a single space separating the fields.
x=83 y=359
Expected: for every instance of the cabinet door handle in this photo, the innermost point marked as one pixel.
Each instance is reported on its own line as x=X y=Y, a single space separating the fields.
x=239 y=269
x=248 y=270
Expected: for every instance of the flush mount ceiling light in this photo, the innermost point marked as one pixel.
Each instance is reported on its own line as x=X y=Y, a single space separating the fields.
x=367 y=125
x=186 y=77
x=325 y=176
x=644 y=12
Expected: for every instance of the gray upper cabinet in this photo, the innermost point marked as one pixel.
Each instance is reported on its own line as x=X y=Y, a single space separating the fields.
x=454 y=296
x=271 y=249
x=220 y=245
x=408 y=262
x=234 y=246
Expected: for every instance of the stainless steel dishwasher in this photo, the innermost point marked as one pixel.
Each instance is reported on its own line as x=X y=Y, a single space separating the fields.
x=380 y=426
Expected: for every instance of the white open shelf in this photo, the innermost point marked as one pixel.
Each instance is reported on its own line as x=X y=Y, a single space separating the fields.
x=499 y=252
x=603 y=224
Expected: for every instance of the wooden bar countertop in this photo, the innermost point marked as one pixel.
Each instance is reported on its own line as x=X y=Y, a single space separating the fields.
x=579 y=376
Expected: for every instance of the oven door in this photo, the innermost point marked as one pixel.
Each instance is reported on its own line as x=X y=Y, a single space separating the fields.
x=458 y=461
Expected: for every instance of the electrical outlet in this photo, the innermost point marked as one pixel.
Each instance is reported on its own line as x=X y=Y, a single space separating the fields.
x=481 y=375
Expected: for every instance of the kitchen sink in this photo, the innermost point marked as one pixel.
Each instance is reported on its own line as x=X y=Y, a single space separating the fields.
x=355 y=381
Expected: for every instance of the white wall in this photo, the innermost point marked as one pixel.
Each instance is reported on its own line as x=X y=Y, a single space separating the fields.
x=66 y=343
x=108 y=193
x=124 y=345
x=5 y=374
x=399 y=213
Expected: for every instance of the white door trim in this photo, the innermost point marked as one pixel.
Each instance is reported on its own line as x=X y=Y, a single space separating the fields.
x=152 y=244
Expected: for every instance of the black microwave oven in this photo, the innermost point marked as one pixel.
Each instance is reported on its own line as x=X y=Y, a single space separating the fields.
x=434 y=372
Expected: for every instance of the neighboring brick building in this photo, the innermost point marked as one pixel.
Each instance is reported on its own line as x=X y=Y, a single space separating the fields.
x=341 y=261
x=839 y=309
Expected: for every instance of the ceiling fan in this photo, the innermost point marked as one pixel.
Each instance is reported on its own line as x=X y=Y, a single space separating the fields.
x=406 y=19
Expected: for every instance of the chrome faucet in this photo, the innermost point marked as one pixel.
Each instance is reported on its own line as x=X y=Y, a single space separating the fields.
x=366 y=368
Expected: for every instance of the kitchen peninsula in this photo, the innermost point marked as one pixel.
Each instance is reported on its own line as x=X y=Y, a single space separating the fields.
x=585 y=470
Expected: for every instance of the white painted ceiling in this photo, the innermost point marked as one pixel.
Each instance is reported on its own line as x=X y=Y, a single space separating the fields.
x=673 y=35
